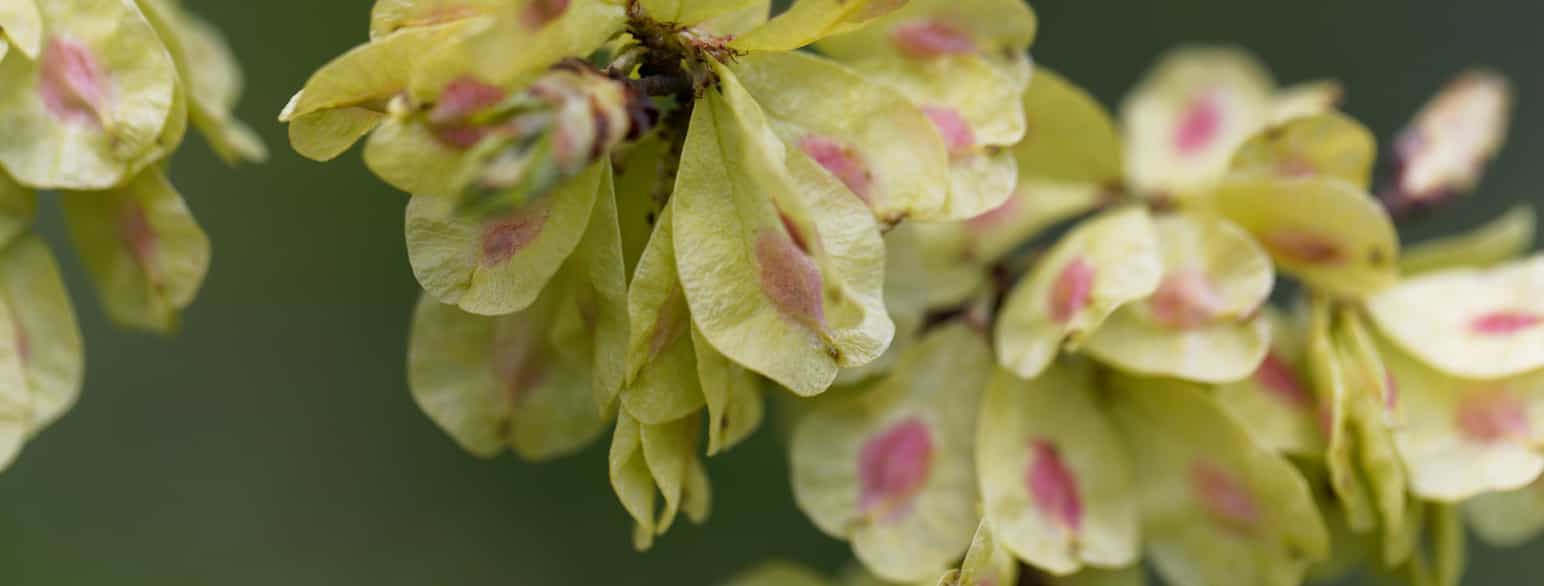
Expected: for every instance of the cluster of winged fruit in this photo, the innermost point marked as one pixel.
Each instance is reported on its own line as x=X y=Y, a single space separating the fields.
x=95 y=96
x=1011 y=332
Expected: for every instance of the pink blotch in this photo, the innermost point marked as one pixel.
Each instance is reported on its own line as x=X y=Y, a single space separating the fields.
x=1053 y=486
x=135 y=232
x=23 y=342
x=1390 y=391
x=995 y=216
x=1491 y=416
x=1199 y=124
x=503 y=237
x=1227 y=499
x=72 y=84
x=541 y=12
x=518 y=361
x=789 y=277
x=1275 y=376
x=1304 y=247
x=460 y=137
x=1295 y=166
x=842 y=161
x=1072 y=290
x=1504 y=323
x=892 y=467
x=1186 y=299
x=930 y=37
x=668 y=327
x=464 y=97
x=959 y=137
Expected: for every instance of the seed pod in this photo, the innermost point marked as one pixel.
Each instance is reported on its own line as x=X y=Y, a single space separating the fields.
x=891 y=469
x=1450 y=142
x=1070 y=137
x=142 y=248
x=1508 y=518
x=1098 y=267
x=1201 y=323
x=41 y=361
x=1217 y=508
x=92 y=110
x=1462 y=438
x=516 y=45
x=878 y=144
x=1323 y=145
x=497 y=265
x=21 y=27
x=1184 y=121
x=346 y=97
x=212 y=80
x=784 y=276
x=529 y=380
x=1278 y=398
x=1321 y=230
x=1477 y=324
x=1056 y=480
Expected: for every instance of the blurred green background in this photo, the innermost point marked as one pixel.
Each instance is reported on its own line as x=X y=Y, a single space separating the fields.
x=274 y=440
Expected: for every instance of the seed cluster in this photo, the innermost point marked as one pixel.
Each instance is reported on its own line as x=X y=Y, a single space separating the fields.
x=95 y=97
x=650 y=216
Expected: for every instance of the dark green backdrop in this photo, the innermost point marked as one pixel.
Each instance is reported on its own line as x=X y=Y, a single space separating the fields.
x=274 y=441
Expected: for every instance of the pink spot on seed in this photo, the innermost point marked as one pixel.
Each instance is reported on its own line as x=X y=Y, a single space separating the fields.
x=1390 y=391
x=1503 y=323
x=1071 y=292
x=929 y=37
x=1224 y=497
x=790 y=278
x=995 y=216
x=892 y=467
x=1186 y=299
x=72 y=84
x=1282 y=382
x=1053 y=486
x=1491 y=416
x=959 y=138
x=842 y=161
x=541 y=12
x=1199 y=124
x=23 y=342
x=464 y=97
x=1304 y=247
x=135 y=232
x=518 y=361
x=502 y=238
x=669 y=326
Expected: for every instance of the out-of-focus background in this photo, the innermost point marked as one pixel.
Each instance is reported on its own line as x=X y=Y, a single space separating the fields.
x=274 y=441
